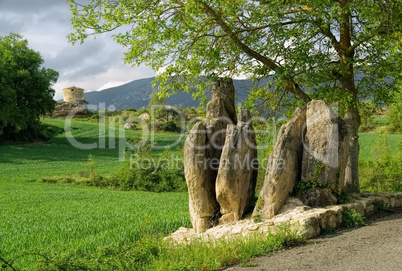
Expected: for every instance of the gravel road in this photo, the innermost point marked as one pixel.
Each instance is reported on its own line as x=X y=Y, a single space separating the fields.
x=377 y=246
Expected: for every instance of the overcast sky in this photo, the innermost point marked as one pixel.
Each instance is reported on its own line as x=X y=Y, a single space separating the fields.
x=94 y=65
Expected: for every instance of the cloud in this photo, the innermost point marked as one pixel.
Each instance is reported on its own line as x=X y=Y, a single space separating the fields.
x=45 y=24
x=29 y=6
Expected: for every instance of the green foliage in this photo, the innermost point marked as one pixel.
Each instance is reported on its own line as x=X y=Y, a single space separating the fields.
x=157 y=107
x=158 y=174
x=382 y=173
x=172 y=126
x=258 y=206
x=90 y=165
x=153 y=254
x=144 y=171
x=342 y=197
x=296 y=43
x=191 y=113
x=366 y=110
x=25 y=90
x=304 y=185
x=395 y=113
x=352 y=219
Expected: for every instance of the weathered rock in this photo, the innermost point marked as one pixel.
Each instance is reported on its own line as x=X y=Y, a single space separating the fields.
x=200 y=178
x=316 y=197
x=322 y=144
x=73 y=109
x=309 y=222
x=202 y=152
x=220 y=112
x=144 y=116
x=284 y=167
x=222 y=100
x=130 y=126
x=237 y=174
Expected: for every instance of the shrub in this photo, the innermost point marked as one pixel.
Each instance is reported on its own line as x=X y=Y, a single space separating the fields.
x=143 y=172
x=395 y=113
x=167 y=126
x=147 y=172
x=352 y=219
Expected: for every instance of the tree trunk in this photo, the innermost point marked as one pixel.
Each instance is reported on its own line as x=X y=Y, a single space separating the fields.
x=349 y=177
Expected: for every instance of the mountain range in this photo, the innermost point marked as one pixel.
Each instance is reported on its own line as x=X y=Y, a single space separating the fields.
x=137 y=94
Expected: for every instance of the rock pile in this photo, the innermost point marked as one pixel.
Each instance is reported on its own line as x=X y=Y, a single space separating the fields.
x=215 y=184
x=221 y=165
x=76 y=109
x=310 y=147
x=309 y=222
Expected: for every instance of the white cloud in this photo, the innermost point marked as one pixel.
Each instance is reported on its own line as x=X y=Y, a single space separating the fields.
x=45 y=24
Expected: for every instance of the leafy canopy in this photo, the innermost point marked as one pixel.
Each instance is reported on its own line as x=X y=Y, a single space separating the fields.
x=337 y=50
x=25 y=89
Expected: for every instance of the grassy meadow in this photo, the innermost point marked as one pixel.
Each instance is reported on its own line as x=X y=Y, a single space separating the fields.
x=37 y=217
x=58 y=157
x=367 y=140
x=53 y=219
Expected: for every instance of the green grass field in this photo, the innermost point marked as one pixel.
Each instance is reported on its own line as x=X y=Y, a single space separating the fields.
x=366 y=141
x=44 y=218
x=38 y=217
x=58 y=157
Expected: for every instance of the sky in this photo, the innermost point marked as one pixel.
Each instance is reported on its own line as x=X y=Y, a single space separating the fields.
x=95 y=65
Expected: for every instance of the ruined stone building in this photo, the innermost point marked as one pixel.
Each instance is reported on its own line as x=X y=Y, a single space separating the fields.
x=73 y=94
x=73 y=103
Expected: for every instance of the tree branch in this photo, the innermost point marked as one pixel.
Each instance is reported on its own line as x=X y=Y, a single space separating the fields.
x=368 y=37
x=290 y=85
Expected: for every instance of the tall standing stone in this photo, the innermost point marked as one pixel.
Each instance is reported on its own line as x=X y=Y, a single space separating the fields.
x=323 y=144
x=200 y=178
x=202 y=151
x=237 y=174
x=284 y=167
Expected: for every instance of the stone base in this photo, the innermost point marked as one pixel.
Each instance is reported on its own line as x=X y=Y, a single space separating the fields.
x=309 y=221
x=62 y=109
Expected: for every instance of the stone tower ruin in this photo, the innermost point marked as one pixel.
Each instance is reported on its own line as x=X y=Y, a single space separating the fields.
x=73 y=104
x=73 y=94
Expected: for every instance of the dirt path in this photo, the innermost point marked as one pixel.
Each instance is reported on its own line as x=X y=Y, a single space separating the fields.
x=374 y=247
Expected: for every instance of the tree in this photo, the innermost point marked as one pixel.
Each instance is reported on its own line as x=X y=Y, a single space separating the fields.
x=157 y=106
x=395 y=112
x=313 y=49
x=25 y=89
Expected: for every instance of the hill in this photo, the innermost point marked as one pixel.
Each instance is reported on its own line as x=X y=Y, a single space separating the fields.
x=136 y=94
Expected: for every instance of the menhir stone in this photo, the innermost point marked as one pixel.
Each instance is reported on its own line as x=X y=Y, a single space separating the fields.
x=284 y=167
x=202 y=151
x=237 y=174
x=222 y=104
x=322 y=145
x=318 y=197
x=200 y=178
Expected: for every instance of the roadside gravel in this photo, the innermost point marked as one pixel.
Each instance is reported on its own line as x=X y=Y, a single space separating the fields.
x=377 y=246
